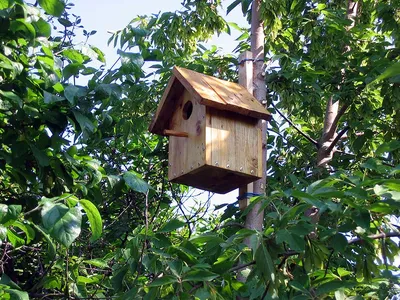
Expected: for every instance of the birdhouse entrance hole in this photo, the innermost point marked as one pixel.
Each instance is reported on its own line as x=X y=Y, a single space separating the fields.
x=187 y=110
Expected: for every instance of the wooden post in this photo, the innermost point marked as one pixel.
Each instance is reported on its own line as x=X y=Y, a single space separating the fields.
x=245 y=80
x=255 y=218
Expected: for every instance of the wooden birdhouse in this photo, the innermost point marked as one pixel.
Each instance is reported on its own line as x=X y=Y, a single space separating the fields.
x=214 y=140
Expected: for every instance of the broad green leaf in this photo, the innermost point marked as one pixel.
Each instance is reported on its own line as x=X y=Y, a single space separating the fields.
x=264 y=263
x=40 y=156
x=52 y=7
x=387 y=147
x=28 y=230
x=17 y=295
x=294 y=241
x=97 y=263
x=4 y=4
x=9 y=214
x=50 y=98
x=20 y=25
x=333 y=286
x=42 y=28
x=3 y=234
x=167 y=279
x=13 y=97
x=391 y=71
x=96 y=223
x=135 y=183
x=63 y=223
x=131 y=58
x=384 y=191
x=172 y=225
x=84 y=121
x=72 y=70
x=14 y=238
x=199 y=275
x=73 y=93
x=339 y=242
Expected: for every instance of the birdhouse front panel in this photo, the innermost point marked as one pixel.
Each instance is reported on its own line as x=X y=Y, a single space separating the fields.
x=187 y=153
x=214 y=141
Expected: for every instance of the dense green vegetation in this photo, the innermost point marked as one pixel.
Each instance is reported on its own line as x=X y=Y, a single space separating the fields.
x=87 y=212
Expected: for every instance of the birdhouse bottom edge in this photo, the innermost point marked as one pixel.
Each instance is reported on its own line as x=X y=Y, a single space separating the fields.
x=214 y=179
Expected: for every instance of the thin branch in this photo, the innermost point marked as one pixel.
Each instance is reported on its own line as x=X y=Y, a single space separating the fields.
x=337 y=138
x=375 y=237
x=239 y=267
x=310 y=139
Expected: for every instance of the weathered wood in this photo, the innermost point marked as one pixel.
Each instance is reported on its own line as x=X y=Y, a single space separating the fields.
x=246 y=80
x=169 y=132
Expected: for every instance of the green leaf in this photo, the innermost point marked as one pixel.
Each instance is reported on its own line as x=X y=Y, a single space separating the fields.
x=387 y=147
x=333 y=286
x=17 y=295
x=3 y=234
x=84 y=121
x=9 y=214
x=167 y=279
x=97 y=263
x=63 y=223
x=73 y=92
x=21 y=26
x=4 y=4
x=29 y=232
x=50 y=98
x=52 y=7
x=391 y=71
x=42 y=28
x=199 y=275
x=40 y=156
x=294 y=241
x=72 y=70
x=264 y=263
x=339 y=242
x=13 y=97
x=14 y=238
x=172 y=225
x=96 y=223
x=135 y=183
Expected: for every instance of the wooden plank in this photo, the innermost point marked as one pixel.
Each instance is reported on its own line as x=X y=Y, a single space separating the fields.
x=169 y=132
x=187 y=154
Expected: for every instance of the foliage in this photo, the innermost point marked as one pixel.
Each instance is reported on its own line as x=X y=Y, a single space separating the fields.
x=87 y=211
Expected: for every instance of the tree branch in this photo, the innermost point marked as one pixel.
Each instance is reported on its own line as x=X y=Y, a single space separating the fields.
x=335 y=122
x=337 y=138
x=239 y=267
x=375 y=237
x=310 y=139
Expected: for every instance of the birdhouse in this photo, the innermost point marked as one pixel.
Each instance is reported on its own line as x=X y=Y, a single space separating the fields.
x=214 y=141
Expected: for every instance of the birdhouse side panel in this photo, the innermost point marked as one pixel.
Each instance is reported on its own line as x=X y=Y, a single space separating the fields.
x=187 y=153
x=234 y=141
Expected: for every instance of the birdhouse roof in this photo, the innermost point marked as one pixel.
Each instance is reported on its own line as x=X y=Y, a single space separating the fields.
x=210 y=91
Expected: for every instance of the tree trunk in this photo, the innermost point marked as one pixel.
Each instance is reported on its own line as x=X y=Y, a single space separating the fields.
x=330 y=137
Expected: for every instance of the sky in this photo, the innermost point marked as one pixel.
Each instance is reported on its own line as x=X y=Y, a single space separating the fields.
x=108 y=16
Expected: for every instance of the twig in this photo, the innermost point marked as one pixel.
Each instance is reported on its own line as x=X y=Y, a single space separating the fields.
x=337 y=138
x=239 y=267
x=310 y=139
x=375 y=237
